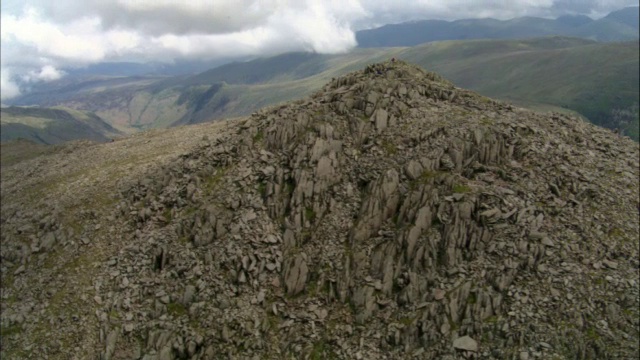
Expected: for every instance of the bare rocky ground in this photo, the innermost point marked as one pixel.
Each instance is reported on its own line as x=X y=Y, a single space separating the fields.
x=388 y=216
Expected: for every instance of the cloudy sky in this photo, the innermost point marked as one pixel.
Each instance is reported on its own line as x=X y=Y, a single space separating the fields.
x=39 y=37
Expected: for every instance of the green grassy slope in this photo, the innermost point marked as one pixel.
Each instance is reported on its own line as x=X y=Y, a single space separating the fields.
x=289 y=66
x=15 y=151
x=552 y=73
x=590 y=78
x=123 y=102
x=52 y=125
x=225 y=99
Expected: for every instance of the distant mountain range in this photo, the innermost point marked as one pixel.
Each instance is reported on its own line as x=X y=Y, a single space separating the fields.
x=621 y=25
x=598 y=79
x=152 y=68
x=551 y=73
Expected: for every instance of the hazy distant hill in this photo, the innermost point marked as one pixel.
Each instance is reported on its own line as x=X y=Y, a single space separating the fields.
x=629 y=16
x=121 y=101
x=620 y=25
x=53 y=126
x=289 y=66
x=577 y=74
x=144 y=69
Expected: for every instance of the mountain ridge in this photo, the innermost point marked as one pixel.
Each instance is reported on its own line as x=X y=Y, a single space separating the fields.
x=388 y=215
x=620 y=25
x=477 y=64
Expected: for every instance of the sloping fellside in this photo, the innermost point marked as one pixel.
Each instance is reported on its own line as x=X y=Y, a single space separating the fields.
x=389 y=215
x=53 y=125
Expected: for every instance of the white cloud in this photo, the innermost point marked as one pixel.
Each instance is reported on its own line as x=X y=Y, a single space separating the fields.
x=46 y=73
x=40 y=33
x=37 y=34
x=8 y=88
x=80 y=41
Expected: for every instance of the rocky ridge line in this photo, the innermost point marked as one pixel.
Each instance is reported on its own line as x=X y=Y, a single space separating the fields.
x=389 y=215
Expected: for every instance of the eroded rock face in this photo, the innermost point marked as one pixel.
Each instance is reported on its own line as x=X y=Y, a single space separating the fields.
x=390 y=215
x=295 y=274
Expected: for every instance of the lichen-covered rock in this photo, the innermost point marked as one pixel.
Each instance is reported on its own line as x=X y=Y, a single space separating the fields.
x=295 y=274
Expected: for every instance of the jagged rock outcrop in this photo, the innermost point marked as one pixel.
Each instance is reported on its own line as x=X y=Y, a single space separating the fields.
x=389 y=215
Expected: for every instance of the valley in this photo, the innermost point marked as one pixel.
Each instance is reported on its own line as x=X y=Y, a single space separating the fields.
x=551 y=72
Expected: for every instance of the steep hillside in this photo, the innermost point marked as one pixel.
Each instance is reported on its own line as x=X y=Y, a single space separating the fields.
x=390 y=215
x=288 y=66
x=597 y=80
x=53 y=126
x=590 y=78
x=621 y=25
x=135 y=103
x=126 y=103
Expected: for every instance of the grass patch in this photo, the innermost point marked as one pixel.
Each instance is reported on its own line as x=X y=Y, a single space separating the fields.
x=273 y=322
x=166 y=214
x=114 y=315
x=19 y=150
x=389 y=147
x=491 y=320
x=176 y=309
x=461 y=189
x=184 y=240
x=7 y=279
x=628 y=312
x=290 y=186
x=592 y=334
x=190 y=211
x=309 y=214
x=10 y=330
x=262 y=189
x=616 y=233
x=472 y=299
x=503 y=175
x=212 y=182
x=11 y=300
x=321 y=350
x=312 y=288
x=427 y=177
x=406 y=321
x=258 y=137
x=487 y=121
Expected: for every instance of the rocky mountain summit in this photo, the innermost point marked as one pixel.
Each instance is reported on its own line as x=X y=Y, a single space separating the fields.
x=390 y=215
